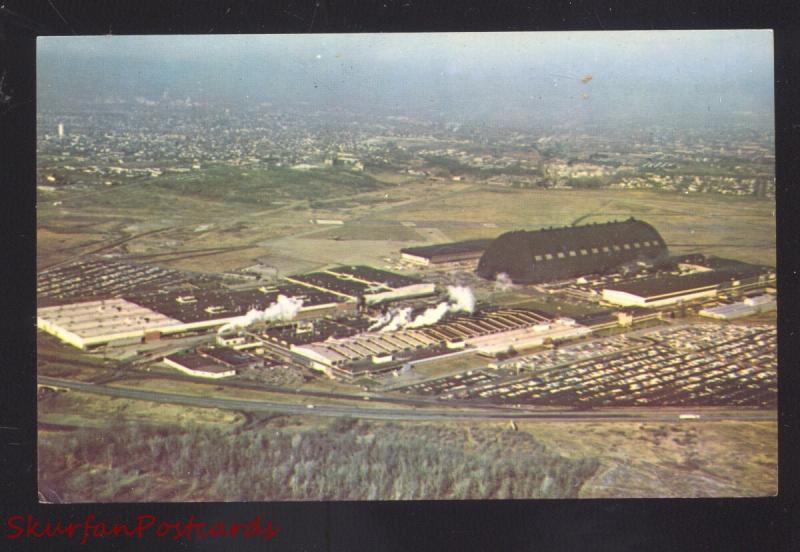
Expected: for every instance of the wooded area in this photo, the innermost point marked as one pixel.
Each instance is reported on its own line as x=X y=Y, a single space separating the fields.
x=347 y=460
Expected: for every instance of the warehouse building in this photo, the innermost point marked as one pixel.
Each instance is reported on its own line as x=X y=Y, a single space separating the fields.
x=469 y=250
x=355 y=282
x=213 y=363
x=671 y=289
x=93 y=323
x=748 y=307
x=129 y=320
x=531 y=257
x=490 y=332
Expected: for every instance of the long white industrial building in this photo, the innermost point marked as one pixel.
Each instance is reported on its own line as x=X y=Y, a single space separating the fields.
x=93 y=323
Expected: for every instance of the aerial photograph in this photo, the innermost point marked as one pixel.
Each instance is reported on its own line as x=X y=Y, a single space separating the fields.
x=412 y=266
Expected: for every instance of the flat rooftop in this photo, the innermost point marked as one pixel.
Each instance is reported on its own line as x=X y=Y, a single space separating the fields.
x=195 y=361
x=452 y=248
x=228 y=356
x=375 y=275
x=331 y=282
x=204 y=305
x=319 y=330
x=104 y=317
x=663 y=285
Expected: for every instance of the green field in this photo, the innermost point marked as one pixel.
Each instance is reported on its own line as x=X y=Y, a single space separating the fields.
x=264 y=186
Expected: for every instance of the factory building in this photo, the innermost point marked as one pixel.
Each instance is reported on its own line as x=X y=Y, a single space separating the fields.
x=443 y=253
x=531 y=257
x=92 y=323
x=671 y=289
x=212 y=308
x=355 y=282
x=211 y=363
x=128 y=320
x=748 y=307
x=490 y=332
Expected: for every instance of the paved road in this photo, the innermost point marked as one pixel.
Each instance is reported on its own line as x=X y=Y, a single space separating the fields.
x=397 y=413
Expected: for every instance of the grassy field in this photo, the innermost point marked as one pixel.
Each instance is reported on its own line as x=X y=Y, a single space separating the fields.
x=270 y=210
x=76 y=409
x=218 y=389
x=58 y=360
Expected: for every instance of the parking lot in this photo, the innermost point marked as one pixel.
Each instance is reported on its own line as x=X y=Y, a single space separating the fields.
x=100 y=278
x=702 y=365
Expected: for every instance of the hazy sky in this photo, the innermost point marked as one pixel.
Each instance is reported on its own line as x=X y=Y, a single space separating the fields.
x=666 y=74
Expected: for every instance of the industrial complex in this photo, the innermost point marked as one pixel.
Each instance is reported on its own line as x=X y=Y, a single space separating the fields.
x=361 y=324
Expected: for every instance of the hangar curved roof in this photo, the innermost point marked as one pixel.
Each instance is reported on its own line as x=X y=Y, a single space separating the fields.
x=566 y=252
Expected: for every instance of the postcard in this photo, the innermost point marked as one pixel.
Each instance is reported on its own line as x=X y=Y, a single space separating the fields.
x=406 y=266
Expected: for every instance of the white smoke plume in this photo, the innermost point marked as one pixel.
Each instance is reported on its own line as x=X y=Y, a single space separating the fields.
x=503 y=281
x=284 y=308
x=400 y=319
x=382 y=320
x=431 y=316
x=462 y=299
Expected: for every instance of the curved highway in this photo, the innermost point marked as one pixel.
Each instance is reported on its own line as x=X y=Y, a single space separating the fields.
x=426 y=414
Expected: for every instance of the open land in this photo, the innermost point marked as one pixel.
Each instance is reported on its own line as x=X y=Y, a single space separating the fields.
x=544 y=423
x=206 y=233
x=201 y=233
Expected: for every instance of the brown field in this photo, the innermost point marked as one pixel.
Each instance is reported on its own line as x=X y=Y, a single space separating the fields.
x=217 y=389
x=742 y=228
x=76 y=409
x=58 y=360
x=681 y=459
x=727 y=226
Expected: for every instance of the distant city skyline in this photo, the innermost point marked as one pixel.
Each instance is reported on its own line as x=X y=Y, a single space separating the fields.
x=673 y=77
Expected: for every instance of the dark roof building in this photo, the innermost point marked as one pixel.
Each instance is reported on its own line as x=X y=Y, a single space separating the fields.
x=530 y=257
x=446 y=252
x=356 y=282
x=374 y=275
x=210 y=305
x=198 y=365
